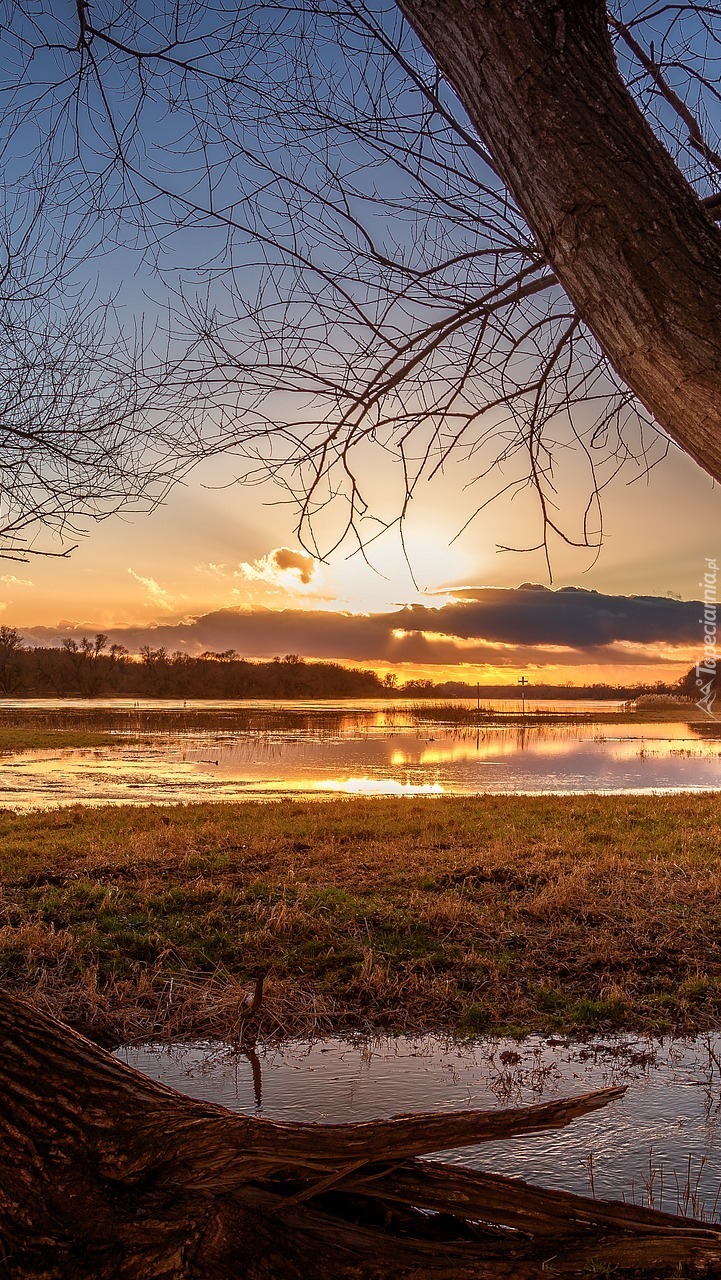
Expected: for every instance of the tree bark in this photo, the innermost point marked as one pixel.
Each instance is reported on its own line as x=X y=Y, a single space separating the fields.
x=106 y=1174
x=632 y=245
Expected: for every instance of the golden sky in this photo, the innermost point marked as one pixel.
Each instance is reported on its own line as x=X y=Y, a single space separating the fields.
x=213 y=548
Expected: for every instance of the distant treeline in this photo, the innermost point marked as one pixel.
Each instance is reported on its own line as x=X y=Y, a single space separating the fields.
x=556 y=692
x=94 y=668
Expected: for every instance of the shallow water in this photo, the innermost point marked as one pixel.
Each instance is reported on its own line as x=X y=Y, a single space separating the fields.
x=321 y=706
x=660 y=1144
x=360 y=749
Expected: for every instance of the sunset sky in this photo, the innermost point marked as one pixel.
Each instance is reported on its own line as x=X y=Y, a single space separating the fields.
x=304 y=279
x=204 y=571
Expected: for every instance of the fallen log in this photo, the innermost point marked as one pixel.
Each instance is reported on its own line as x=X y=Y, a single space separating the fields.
x=105 y=1173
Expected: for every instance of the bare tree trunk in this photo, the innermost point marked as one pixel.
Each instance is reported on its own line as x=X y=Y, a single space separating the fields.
x=629 y=241
x=104 y=1173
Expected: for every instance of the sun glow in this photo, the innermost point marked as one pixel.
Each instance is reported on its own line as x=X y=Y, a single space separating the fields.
x=387 y=577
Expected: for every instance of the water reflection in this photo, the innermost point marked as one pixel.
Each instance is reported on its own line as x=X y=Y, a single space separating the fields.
x=380 y=787
x=291 y=751
x=659 y=1144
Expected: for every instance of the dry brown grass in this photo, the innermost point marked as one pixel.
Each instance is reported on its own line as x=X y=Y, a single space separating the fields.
x=549 y=913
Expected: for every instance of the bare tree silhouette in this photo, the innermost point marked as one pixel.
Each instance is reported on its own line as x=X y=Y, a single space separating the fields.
x=352 y=259
x=71 y=420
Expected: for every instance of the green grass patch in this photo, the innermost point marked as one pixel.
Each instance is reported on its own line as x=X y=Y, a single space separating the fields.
x=578 y=914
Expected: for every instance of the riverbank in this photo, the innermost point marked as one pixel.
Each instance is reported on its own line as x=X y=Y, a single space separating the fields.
x=579 y=914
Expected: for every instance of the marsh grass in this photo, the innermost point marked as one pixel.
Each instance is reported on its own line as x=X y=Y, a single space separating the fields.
x=15 y=739
x=655 y=710
x=574 y=914
x=663 y=1189
x=124 y=720
x=34 y=726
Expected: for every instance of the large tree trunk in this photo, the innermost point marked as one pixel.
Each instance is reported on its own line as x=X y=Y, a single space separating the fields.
x=105 y=1174
x=630 y=242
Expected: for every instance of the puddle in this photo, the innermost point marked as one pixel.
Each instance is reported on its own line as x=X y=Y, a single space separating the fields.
x=659 y=1145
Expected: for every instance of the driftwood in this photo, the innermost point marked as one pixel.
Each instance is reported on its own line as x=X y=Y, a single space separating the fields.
x=104 y=1173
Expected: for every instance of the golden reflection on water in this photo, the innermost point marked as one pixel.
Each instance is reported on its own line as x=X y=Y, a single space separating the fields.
x=547 y=742
x=380 y=787
x=337 y=752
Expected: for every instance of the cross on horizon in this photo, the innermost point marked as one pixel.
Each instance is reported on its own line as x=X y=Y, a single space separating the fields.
x=523 y=682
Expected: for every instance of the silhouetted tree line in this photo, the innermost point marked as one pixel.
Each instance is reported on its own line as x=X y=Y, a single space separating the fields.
x=92 y=668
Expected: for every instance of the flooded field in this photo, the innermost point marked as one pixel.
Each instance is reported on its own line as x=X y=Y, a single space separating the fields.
x=183 y=752
x=659 y=1145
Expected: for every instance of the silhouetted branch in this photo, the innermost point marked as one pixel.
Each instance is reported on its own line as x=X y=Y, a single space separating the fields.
x=330 y=266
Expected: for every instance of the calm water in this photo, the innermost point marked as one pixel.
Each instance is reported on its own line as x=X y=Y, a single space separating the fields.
x=365 y=749
x=659 y=1144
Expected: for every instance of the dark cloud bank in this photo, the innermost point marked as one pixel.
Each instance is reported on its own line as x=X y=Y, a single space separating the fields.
x=584 y=622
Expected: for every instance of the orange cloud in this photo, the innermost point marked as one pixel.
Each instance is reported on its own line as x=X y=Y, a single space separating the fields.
x=283 y=567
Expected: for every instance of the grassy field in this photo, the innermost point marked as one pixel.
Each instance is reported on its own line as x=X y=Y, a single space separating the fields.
x=554 y=913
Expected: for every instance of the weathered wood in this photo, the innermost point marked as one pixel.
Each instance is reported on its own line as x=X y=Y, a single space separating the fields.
x=632 y=245
x=105 y=1173
x=512 y=1203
